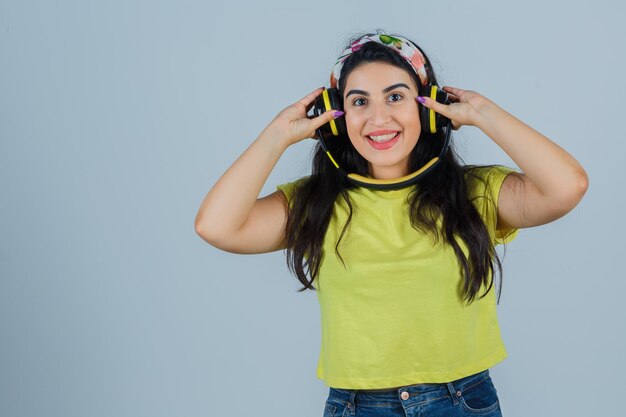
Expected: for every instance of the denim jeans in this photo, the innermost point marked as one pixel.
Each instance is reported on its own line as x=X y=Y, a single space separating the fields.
x=473 y=395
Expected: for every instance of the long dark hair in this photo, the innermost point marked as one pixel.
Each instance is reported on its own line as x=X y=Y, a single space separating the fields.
x=442 y=192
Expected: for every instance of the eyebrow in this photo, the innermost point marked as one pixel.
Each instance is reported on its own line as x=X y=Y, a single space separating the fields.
x=386 y=89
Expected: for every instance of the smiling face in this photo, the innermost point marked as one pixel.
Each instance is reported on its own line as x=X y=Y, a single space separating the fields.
x=379 y=98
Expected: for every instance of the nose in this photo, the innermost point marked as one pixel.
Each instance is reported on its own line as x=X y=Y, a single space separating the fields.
x=380 y=114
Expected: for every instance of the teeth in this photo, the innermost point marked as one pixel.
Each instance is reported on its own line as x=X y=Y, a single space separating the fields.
x=383 y=138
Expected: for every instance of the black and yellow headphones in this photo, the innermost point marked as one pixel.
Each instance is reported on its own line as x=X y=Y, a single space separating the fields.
x=431 y=122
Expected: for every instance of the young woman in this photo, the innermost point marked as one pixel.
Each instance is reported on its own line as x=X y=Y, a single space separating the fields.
x=403 y=275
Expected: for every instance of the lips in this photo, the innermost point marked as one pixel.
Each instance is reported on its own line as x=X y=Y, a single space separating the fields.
x=381 y=132
x=384 y=145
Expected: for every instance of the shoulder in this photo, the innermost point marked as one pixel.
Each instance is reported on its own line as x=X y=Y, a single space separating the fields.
x=485 y=180
x=288 y=187
x=484 y=183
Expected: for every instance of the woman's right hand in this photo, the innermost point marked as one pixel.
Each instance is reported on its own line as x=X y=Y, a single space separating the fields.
x=293 y=124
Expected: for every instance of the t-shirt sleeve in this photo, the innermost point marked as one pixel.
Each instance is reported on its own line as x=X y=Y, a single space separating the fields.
x=288 y=188
x=485 y=196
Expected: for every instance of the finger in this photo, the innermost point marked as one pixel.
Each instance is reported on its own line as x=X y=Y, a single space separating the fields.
x=324 y=118
x=436 y=106
x=451 y=95
x=308 y=107
x=453 y=90
x=309 y=98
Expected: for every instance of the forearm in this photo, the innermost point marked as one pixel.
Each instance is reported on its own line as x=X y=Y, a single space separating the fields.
x=229 y=202
x=550 y=168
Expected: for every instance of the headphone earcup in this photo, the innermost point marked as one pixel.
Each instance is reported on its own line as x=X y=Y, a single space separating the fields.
x=330 y=99
x=432 y=121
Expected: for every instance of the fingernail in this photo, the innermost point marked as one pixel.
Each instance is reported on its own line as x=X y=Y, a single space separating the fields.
x=421 y=99
x=338 y=113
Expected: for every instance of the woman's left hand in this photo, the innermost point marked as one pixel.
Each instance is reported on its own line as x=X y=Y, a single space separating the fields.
x=464 y=107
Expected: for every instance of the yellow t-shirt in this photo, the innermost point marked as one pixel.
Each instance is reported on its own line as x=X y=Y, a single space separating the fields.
x=395 y=315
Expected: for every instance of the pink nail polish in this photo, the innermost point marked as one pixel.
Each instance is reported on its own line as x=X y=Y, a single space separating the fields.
x=337 y=114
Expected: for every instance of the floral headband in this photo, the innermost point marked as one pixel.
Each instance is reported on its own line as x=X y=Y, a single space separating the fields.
x=402 y=46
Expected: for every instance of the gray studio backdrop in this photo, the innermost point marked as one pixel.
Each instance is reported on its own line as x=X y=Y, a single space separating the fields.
x=117 y=117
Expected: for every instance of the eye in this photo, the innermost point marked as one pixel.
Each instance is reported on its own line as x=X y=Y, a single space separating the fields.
x=355 y=101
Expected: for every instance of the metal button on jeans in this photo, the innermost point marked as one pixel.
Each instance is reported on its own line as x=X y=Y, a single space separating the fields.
x=404 y=395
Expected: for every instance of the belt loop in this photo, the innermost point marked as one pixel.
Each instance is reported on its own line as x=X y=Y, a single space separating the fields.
x=351 y=404
x=453 y=393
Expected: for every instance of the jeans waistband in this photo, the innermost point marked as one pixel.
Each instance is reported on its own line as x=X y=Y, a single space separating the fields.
x=461 y=383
